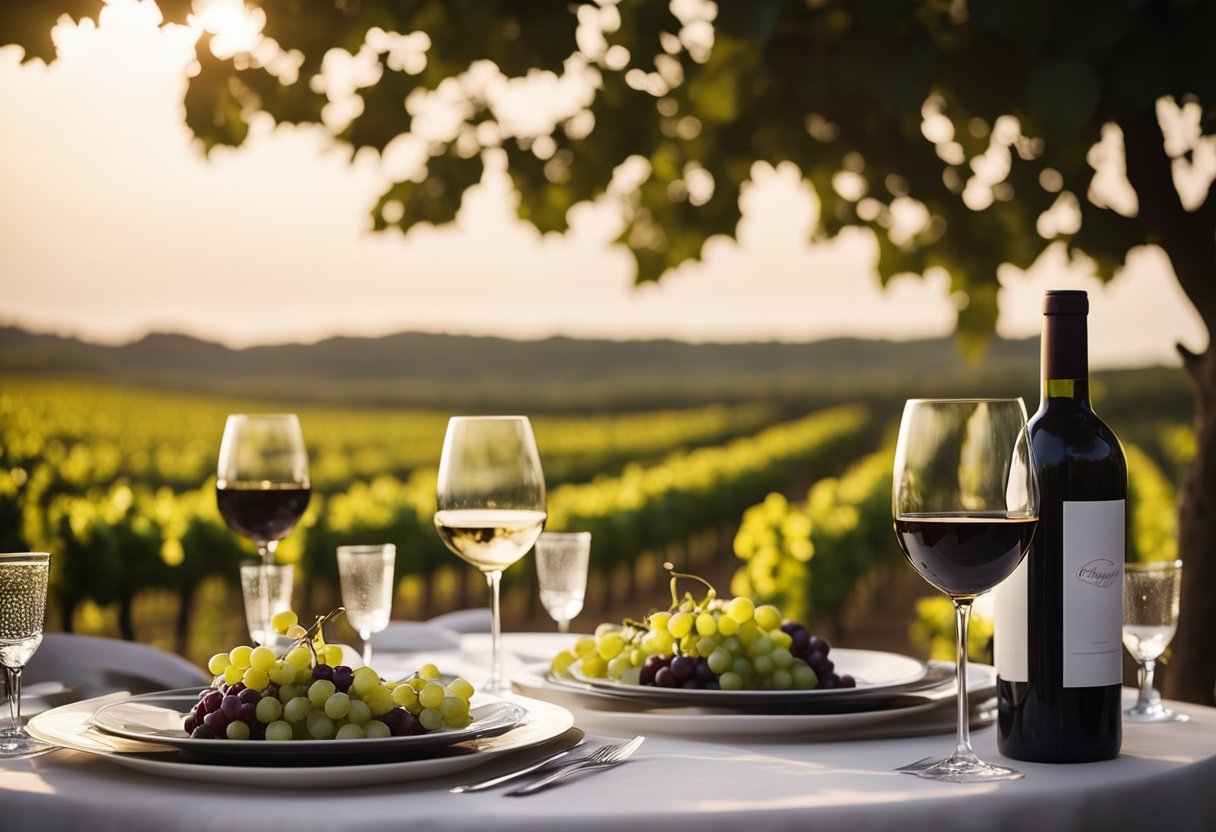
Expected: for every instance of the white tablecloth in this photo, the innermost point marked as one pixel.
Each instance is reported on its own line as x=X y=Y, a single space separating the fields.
x=1165 y=778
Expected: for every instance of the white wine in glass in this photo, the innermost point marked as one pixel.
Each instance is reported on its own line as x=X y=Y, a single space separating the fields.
x=23 y=585
x=491 y=503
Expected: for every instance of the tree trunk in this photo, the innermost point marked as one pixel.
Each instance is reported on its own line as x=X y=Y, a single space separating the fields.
x=1192 y=675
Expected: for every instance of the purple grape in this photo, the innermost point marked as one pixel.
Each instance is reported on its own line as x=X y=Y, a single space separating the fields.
x=202 y=732
x=199 y=710
x=690 y=684
x=216 y=721
x=257 y=731
x=272 y=690
x=323 y=671
x=395 y=720
x=192 y=722
x=412 y=725
x=646 y=674
x=249 y=695
x=713 y=685
x=847 y=681
x=666 y=678
x=683 y=667
x=657 y=661
x=342 y=677
x=819 y=644
x=230 y=707
x=248 y=712
x=212 y=701
x=704 y=675
x=236 y=687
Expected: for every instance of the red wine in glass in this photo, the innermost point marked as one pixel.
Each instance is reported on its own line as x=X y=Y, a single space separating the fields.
x=262 y=512
x=964 y=555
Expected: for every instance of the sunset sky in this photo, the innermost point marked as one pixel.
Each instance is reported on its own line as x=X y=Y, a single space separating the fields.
x=112 y=223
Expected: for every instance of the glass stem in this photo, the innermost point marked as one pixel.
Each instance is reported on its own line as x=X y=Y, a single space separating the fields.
x=962 y=621
x=367 y=648
x=494 y=578
x=266 y=554
x=563 y=626
x=1148 y=668
x=13 y=677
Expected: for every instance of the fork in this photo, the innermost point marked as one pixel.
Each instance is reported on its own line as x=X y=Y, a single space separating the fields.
x=605 y=757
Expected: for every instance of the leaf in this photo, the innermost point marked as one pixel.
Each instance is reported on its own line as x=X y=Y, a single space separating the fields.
x=435 y=199
x=1062 y=96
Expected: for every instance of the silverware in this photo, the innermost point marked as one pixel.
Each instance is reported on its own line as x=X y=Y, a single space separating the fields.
x=606 y=757
x=511 y=775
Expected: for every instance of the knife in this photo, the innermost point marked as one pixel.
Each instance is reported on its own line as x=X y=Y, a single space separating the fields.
x=569 y=770
x=511 y=775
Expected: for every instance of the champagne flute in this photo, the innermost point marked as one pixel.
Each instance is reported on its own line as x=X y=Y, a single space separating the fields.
x=366 y=575
x=262 y=486
x=965 y=500
x=491 y=503
x=23 y=582
x=561 y=571
x=1150 y=618
x=266 y=588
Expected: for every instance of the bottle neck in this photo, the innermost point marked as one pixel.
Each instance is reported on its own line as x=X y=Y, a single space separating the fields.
x=1065 y=358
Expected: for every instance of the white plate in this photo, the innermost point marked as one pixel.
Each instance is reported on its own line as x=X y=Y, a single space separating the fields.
x=158 y=717
x=934 y=714
x=876 y=672
x=544 y=722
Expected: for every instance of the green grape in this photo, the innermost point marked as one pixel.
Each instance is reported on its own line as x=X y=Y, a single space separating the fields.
x=233 y=674
x=377 y=730
x=299 y=658
x=720 y=660
x=782 y=680
x=283 y=620
x=431 y=719
x=350 y=731
x=741 y=609
x=609 y=646
x=463 y=688
x=262 y=658
x=761 y=646
x=762 y=665
x=560 y=666
x=680 y=624
x=658 y=620
x=594 y=667
x=428 y=672
x=290 y=692
x=333 y=655
x=730 y=681
x=803 y=676
x=584 y=647
x=281 y=673
x=320 y=690
x=320 y=727
x=268 y=709
x=432 y=695
x=406 y=697
x=618 y=666
x=237 y=730
x=632 y=676
x=727 y=626
x=337 y=706
x=781 y=638
x=768 y=617
x=297 y=709
x=454 y=710
x=733 y=645
x=417 y=683
x=218 y=663
x=239 y=656
x=359 y=714
x=782 y=658
x=380 y=700
x=741 y=667
x=706 y=625
x=256 y=679
x=748 y=631
x=278 y=731
x=707 y=644
x=365 y=679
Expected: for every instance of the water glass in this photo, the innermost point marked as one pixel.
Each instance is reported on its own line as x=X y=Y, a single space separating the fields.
x=267 y=590
x=366 y=573
x=23 y=583
x=1150 y=618
x=561 y=570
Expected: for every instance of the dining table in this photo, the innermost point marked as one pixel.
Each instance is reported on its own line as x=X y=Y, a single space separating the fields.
x=697 y=769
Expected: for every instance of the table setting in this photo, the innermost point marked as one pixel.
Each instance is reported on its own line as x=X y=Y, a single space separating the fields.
x=717 y=711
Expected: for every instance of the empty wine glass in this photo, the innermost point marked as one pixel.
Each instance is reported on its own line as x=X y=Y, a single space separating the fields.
x=491 y=503
x=267 y=590
x=366 y=574
x=23 y=583
x=966 y=506
x=561 y=571
x=1150 y=618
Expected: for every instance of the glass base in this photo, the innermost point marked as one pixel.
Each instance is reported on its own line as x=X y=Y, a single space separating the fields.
x=15 y=745
x=1153 y=712
x=960 y=770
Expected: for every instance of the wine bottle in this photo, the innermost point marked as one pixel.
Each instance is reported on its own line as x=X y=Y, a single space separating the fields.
x=1059 y=617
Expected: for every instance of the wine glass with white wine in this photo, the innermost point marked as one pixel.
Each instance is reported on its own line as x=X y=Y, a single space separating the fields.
x=23 y=583
x=1150 y=618
x=491 y=503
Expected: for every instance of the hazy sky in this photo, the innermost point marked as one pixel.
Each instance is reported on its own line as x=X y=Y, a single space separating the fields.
x=112 y=223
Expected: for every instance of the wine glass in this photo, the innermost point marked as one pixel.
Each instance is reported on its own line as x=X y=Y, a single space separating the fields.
x=366 y=574
x=491 y=502
x=561 y=571
x=966 y=503
x=267 y=590
x=1150 y=618
x=262 y=485
x=23 y=582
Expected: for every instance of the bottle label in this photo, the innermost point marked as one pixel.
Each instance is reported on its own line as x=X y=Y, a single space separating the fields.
x=1010 y=636
x=1093 y=592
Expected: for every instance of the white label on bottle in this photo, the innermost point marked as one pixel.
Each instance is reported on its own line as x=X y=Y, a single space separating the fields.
x=1093 y=593
x=1010 y=635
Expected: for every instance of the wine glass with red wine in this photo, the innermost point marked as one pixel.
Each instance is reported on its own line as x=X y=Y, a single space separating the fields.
x=966 y=504
x=262 y=485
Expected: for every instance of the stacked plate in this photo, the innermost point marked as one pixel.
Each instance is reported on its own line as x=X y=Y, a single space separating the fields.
x=895 y=696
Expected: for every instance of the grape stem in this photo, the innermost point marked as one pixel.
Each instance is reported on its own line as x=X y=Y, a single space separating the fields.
x=312 y=631
x=675 y=593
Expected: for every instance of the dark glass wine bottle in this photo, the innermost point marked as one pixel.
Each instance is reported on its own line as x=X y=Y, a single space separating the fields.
x=1059 y=617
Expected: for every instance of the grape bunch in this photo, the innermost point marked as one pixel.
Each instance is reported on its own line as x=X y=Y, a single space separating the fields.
x=307 y=694
x=707 y=644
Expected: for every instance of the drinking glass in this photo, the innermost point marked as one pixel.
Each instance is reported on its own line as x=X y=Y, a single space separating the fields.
x=561 y=570
x=966 y=502
x=491 y=503
x=366 y=574
x=267 y=590
x=23 y=581
x=262 y=485
x=1150 y=618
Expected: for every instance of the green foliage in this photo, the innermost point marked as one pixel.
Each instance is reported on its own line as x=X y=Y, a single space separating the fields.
x=933 y=631
x=1153 y=509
